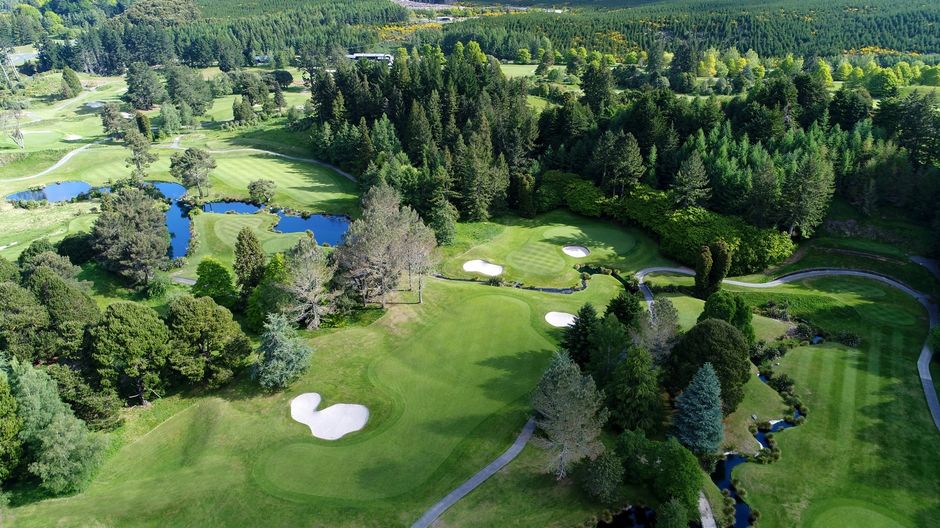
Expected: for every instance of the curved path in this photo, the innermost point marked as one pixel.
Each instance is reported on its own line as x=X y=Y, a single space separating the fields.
x=926 y=354
x=68 y=155
x=470 y=484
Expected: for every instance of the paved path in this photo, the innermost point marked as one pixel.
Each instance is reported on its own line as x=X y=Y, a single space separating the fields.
x=926 y=354
x=462 y=490
x=183 y=280
x=69 y=155
x=923 y=362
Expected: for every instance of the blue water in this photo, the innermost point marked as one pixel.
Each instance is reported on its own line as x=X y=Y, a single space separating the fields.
x=328 y=229
x=54 y=192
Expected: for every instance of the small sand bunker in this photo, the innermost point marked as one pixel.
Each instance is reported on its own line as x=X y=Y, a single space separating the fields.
x=95 y=104
x=73 y=137
x=484 y=267
x=332 y=423
x=127 y=115
x=576 y=251
x=559 y=319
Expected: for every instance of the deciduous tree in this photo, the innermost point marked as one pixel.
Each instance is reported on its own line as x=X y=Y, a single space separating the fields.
x=192 y=168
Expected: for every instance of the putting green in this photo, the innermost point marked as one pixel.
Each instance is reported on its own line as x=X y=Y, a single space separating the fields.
x=530 y=250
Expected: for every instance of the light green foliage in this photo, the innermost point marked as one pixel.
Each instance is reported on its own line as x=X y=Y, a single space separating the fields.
x=731 y=308
x=11 y=448
x=261 y=191
x=215 y=280
x=192 y=168
x=569 y=414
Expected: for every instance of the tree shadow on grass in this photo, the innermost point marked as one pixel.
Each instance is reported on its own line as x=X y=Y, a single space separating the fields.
x=517 y=373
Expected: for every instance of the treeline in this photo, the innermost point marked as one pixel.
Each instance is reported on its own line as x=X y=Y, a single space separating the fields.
x=454 y=136
x=316 y=30
x=801 y=27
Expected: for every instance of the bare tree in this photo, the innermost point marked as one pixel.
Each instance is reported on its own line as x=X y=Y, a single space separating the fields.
x=418 y=248
x=308 y=283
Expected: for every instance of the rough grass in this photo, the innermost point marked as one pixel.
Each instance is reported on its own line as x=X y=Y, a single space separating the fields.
x=20 y=227
x=236 y=458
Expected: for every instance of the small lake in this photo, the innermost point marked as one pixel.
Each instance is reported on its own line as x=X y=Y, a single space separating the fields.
x=328 y=229
x=54 y=192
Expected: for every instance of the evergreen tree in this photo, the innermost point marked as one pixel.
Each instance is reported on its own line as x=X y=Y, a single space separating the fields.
x=697 y=424
x=807 y=193
x=703 y=271
x=141 y=157
x=144 y=89
x=569 y=413
x=602 y=477
x=130 y=235
x=577 y=337
x=635 y=399
x=215 y=280
x=283 y=355
x=627 y=307
x=11 y=447
x=690 y=187
x=731 y=308
x=717 y=342
x=609 y=345
x=71 y=85
x=207 y=345
x=249 y=261
x=721 y=265
x=192 y=168
x=672 y=514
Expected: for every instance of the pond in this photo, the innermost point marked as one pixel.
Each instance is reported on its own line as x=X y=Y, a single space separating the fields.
x=54 y=192
x=328 y=229
x=633 y=517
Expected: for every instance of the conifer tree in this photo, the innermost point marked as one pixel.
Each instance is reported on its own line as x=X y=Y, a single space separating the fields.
x=635 y=400
x=577 y=337
x=697 y=424
x=249 y=261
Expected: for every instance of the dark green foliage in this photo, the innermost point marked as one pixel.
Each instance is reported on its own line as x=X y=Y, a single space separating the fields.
x=627 y=307
x=35 y=248
x=215 y=280
x=130 y=347
x=23 y=321
x=577 y=337
x=207 y=345
x=8 y=271
x=192 y=168
x=249 y=261
x=716 y=342
x=697 y=424
x=59 y=265
x=672 y=514
x=602 y=477
x=584 y=198
x=11 y=447
x=668 y=469
x=283 y=355
x=721 y=265
x=143 y=125
x=70 y=310
x=609 y=344
x=634 y=395
x=144 y=89
x=849 y=107
x=703 y=271
x=691 y=186
x=100 y=408
x=131 y=237
x=731 y=308
x=71 y=85
x=269 y=296
x=78 y=247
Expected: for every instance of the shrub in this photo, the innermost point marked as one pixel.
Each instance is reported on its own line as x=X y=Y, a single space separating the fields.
x=583 y=197
x=602 y=477
x=551 y=191
x=683 y=232
x=78 y=247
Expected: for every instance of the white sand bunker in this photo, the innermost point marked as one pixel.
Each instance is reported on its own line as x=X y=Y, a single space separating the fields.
x=559 y=319
x=576 y=251
x=73 y=137
x=484 y=267
x=332 y=423
x=95 y=104
x=127 y=115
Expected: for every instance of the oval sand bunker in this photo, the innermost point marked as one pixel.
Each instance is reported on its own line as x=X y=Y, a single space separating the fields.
x=576 y=251
x=484 y=267
x=559 y=319
x=332 y=423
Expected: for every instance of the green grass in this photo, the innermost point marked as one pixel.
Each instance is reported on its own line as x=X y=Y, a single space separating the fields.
x=216 y=234
x=866 y=455
x=20 y=227
x=531 y=250
x=442 y=406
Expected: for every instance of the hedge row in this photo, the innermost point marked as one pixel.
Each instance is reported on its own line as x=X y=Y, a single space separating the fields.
x=683 y=232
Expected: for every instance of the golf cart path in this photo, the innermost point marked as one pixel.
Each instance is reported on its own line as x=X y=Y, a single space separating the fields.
x=470 y=484
x=923 y=361
x=68 y=155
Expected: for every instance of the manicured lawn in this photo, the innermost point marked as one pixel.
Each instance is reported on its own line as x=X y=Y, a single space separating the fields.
x=866 y=455
x=216 y=234
x=531 y=250
x=442 y=406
